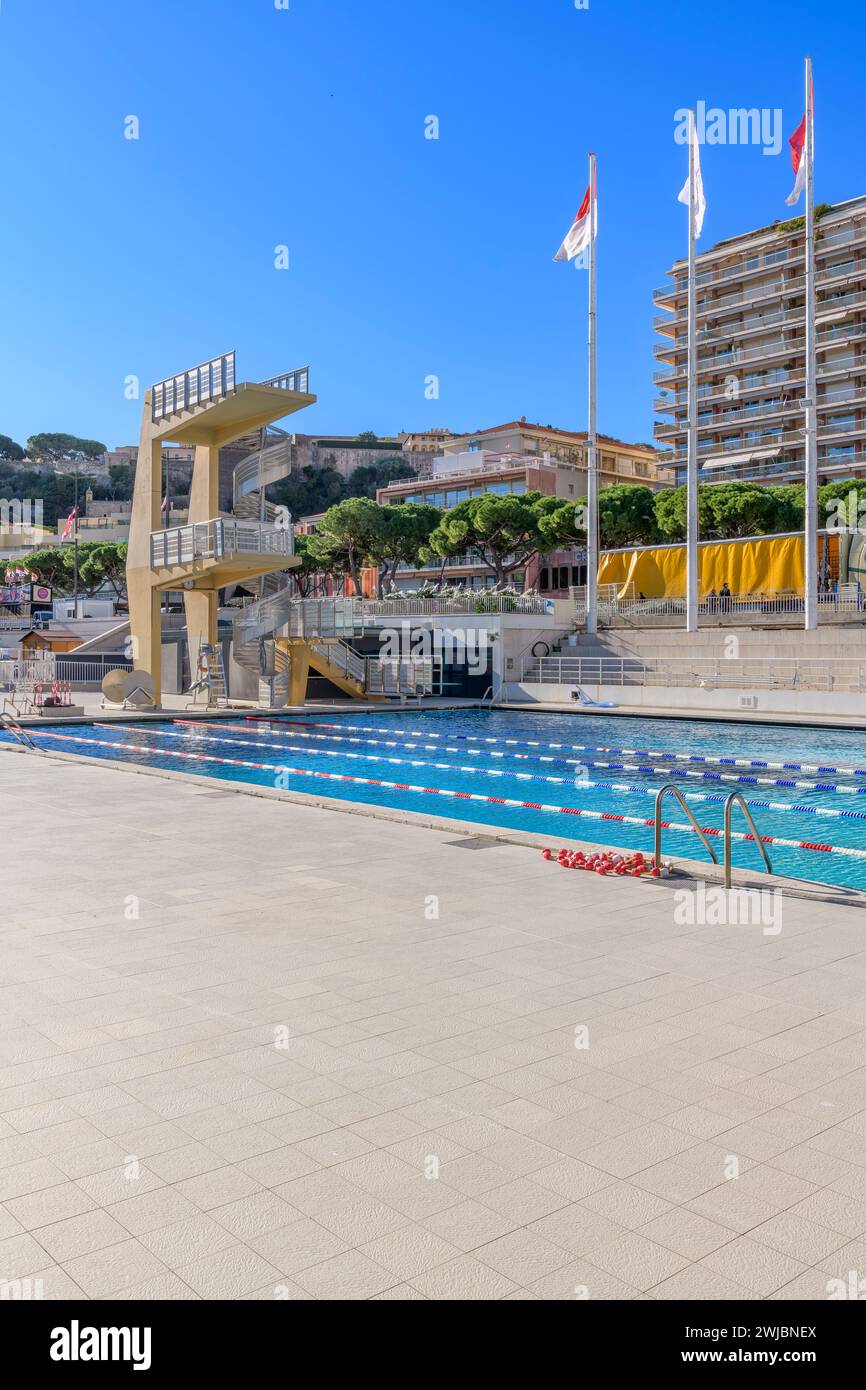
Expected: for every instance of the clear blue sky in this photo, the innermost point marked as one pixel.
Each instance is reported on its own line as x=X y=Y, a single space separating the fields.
x=409 y=256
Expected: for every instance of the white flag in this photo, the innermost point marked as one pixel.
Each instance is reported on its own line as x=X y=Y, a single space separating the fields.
x=578 y=234
x=700 y=206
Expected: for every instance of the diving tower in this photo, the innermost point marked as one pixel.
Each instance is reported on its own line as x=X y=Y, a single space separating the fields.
x=207 y=408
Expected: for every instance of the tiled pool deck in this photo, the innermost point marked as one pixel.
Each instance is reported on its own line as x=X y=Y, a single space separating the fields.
x=251 y=1049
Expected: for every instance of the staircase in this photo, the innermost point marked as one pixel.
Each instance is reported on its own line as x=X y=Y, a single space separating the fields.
x=272 y=631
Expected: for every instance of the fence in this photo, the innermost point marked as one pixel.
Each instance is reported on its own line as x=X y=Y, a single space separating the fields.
x=746 y=673
x=481 y=602
x=771 y=608
x=211 y=540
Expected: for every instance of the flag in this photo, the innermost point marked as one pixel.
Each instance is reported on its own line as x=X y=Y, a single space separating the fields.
x=164 y=505
x=683 y=195
x=798 y=151
x=578 y=234
x=68 y=527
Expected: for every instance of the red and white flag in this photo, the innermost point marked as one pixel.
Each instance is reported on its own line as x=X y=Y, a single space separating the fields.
x=578 y=235
x=67 y=530
x=798 y=155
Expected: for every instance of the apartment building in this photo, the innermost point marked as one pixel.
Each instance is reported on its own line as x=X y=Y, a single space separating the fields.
x=556 y=471
x=751 y=352
x=618 y=462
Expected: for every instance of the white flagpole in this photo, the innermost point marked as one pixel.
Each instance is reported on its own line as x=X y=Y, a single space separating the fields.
x=692 y=408
x=592 y=440
x=810 y=539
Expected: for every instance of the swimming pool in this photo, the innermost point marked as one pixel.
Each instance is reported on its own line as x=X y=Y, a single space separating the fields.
x=585 y=777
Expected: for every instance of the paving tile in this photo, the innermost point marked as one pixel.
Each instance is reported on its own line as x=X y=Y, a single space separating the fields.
x=104 y=1273
x=79 y=1235
x=464 y=1279
x=229 y=1273
x=351 y=1276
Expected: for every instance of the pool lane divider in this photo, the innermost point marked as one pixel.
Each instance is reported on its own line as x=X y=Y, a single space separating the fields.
x=442 y=791
x=590 y=748
x=200 y=724
x=646 y=769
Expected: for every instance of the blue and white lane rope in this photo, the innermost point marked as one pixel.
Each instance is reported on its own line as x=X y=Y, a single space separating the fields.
x=593 y=748
x=212 y=738
x=646 y=769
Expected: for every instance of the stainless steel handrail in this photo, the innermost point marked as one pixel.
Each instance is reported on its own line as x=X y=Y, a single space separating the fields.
x=9 y=722
x=729 y=806
x=670 y=787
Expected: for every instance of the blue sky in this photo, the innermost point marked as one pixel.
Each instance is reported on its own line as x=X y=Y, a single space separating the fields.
x=409 y=257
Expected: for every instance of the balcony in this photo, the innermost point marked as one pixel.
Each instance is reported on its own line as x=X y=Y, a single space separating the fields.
x=218 y=541
x=755 y=263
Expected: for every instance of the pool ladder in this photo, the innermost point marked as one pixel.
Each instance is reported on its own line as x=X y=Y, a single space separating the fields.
x=8 y=721
x=730 y=800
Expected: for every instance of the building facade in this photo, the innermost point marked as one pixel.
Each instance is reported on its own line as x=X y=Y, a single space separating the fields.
x=555 y=466
x=751 y=353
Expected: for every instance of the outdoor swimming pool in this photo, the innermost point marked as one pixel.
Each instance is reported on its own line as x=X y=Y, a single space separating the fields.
x=583 y=777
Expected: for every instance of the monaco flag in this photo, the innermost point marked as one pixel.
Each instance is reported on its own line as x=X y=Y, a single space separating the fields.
x=578 y=234
x=67 y=530
x=798 y=155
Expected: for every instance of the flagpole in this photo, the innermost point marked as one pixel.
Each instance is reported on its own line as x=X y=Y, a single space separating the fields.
x=810 y=565
x=692 y=412
x=592 y=439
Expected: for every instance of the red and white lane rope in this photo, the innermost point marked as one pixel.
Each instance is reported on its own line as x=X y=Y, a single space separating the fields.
x=648 y=770
x=202 y=730
x=444 y=792
x=599 y=748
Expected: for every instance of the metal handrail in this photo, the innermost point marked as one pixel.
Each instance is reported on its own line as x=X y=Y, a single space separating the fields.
x=670 y=787
x=729 y=806
x=9 y=722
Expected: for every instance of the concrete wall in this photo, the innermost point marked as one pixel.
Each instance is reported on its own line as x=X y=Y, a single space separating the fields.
x=689 y=700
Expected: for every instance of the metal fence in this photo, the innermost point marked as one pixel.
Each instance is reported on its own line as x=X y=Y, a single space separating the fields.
x=770 y=608
x=196 y=386
x=743 y=673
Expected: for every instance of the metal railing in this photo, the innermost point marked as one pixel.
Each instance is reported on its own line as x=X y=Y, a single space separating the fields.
x=481 y=601
x=310 y=617
x=738 y=797
x=212 y=540
x=264 y=466
x=8 y=721
x=393 y=676
x=209 y=381
x=829 y=675
x=342 y=658
x=298 y=380
x=657 y=842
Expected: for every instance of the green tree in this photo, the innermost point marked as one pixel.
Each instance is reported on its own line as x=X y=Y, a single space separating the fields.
x=63 y=448
x=349 y=535
x=627 y=515
x=9 y=450
x=502 y=531
x=53 y=566
x=406 y=532
x=100 y=563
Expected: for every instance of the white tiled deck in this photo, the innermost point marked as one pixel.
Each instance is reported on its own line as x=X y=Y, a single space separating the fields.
x=241 y=1057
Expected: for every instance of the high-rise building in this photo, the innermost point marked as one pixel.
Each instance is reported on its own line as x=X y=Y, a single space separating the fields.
x=751 y=352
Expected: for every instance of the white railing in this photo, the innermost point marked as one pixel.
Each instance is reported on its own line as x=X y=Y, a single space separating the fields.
x=209 y=381
x=212 y=540
x=342 y=658
x=309 y=617
x=743 y=673
x=298 y=380
x=482 y=601
x=763 y=607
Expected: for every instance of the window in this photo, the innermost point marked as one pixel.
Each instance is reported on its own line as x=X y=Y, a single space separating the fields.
x=543 y=580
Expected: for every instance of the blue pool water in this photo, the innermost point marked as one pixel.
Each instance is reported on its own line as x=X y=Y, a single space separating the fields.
x=512 y=756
